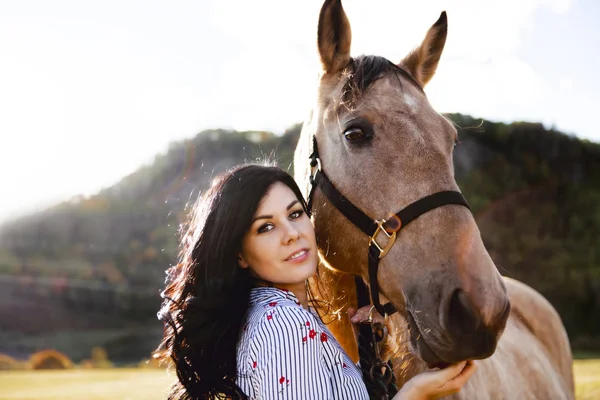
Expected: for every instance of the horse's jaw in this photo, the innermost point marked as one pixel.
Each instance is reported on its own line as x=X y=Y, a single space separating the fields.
x=418 y=340
x=418 y=345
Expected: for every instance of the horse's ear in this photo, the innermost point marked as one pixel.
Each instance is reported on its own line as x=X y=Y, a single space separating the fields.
x=423 y=61
x=334 y=36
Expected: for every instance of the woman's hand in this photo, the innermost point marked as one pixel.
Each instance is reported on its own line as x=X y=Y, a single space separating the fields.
x=428 y=385
x=362 y=314
x=434 y=384
x=379 y=327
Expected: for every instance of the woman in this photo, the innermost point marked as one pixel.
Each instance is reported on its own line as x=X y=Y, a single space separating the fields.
x=238 y=320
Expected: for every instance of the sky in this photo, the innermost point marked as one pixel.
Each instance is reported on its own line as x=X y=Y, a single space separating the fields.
x=92 y=90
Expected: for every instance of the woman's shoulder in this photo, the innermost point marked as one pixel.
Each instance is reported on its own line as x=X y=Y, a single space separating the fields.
x=270 y=330
x=275 y=314
x=276 y=330
x=278 y=314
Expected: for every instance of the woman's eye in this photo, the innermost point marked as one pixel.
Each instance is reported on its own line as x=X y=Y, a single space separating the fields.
x=296 y=214
x=265 y=228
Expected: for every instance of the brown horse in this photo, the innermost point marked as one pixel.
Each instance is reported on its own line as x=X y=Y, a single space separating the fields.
x=384 y=147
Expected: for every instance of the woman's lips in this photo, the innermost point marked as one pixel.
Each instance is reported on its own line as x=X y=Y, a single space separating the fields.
x=298 y=256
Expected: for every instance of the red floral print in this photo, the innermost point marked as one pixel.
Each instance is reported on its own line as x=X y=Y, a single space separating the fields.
x=268 y=302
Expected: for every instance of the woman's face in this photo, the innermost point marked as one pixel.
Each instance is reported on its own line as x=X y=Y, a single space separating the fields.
x=280 y=246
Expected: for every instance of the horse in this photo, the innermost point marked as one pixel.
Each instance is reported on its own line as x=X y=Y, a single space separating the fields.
x=383 y=147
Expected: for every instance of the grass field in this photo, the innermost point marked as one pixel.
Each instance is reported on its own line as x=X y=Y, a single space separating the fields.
x=587 y=379
x=117 y=383
x=149 y=384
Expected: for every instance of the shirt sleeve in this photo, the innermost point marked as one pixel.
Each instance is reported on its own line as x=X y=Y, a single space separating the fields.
x=287 y=357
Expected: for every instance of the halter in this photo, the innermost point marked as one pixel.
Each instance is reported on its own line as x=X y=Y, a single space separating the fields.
x=374 y=227
x=378 y=375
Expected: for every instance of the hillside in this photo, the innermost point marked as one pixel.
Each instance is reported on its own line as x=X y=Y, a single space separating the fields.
x=535 y=194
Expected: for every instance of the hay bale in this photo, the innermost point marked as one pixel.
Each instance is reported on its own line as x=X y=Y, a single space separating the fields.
x=50 y=359
x=7 y=363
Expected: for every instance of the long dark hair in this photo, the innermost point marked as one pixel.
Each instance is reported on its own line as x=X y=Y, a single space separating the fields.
x=207 y=293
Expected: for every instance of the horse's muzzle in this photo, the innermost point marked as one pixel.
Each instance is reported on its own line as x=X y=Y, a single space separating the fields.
x=466 y=336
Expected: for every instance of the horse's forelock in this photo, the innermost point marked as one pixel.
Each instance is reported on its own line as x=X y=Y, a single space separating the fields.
x=361 y=73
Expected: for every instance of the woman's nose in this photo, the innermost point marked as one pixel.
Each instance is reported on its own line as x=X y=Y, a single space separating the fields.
x=291 y=233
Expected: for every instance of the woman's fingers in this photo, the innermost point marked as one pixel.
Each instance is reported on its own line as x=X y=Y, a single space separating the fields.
x=458 y=381
x=363 y=315
x=449 y=373
x=428 y=385
x=439 y=383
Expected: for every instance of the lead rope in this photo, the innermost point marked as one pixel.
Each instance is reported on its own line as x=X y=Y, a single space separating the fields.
x=378 y=375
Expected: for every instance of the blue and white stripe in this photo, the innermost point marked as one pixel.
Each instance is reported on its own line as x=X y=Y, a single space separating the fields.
x=286 y=352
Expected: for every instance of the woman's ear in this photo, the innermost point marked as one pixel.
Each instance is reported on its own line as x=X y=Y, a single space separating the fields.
x=241 y=262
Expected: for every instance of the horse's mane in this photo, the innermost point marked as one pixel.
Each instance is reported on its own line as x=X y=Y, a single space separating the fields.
x=332 y=292
x=362 y=72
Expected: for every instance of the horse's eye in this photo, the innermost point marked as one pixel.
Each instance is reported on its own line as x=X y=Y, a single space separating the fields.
x=354 y=135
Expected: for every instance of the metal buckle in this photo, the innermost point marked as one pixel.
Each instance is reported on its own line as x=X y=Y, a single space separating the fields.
x=392 y=238
x=315 y=169
x=371 y=311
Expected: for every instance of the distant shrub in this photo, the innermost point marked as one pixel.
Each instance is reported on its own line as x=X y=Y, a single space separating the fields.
x=86 y=364
x=98 y=359
x=99 y=354
x=50 y=359
x=8 y=363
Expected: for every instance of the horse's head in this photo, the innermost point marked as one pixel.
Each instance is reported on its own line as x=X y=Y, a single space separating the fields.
x=384 y=147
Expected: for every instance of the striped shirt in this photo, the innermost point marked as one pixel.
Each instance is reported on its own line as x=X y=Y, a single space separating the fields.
x=286 y=352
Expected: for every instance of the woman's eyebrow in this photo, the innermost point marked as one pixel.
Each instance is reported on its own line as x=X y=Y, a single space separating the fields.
x=292 y=204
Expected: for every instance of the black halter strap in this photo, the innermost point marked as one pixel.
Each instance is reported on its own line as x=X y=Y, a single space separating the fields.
x=375 y=228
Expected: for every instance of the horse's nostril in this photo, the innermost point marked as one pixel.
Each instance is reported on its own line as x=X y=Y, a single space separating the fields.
x=462 y=313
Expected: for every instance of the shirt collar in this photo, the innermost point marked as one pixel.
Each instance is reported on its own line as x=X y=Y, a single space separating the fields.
x=262 y=294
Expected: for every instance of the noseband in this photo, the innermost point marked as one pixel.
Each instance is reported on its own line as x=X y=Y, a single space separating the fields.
x=374 y=228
